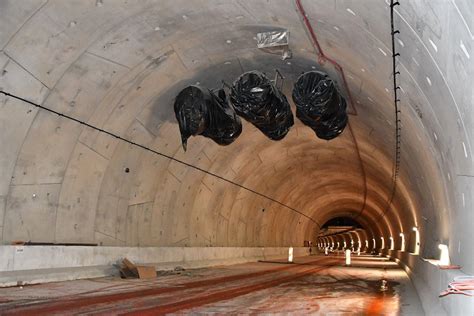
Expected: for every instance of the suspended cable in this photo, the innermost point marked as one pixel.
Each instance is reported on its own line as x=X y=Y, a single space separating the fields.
x=159 y=154
x=396 y=100
x=323 y=58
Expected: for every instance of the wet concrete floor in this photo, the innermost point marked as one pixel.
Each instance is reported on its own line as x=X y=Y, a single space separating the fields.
x=316 y=285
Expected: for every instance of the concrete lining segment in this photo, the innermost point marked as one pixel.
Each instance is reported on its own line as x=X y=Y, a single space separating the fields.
x=141 y=146
x=39 y=264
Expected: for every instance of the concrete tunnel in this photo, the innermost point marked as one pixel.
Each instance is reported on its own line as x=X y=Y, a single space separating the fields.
x=75 y=200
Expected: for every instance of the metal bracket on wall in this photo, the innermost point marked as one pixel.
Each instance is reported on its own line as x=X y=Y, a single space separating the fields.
x=275 y=82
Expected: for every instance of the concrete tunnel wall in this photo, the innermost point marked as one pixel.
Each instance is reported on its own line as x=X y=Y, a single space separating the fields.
x=118 y=65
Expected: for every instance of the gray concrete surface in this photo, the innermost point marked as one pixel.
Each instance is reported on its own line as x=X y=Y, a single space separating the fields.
x=118 y=65
x=21 y=265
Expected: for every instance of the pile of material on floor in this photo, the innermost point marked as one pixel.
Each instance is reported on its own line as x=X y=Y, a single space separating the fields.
x=128 y=270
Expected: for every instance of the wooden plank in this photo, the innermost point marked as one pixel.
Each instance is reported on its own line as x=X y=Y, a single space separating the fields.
x=146 y=272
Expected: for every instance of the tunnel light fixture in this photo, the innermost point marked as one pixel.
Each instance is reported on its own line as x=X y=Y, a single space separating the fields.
x=375 y=245
x=290 y=254
x=417 y=241
x=392 y=244
x=337 y=245
x=366 y=243
x=345 y=245
x=444 y=255
x=402 y=246
x=383 y=243
x=348 y=257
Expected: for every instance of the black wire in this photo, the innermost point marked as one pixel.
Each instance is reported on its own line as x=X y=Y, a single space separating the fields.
x=159 y=154
x=396 y=164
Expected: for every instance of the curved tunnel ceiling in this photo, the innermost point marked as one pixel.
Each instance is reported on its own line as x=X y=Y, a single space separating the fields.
x=118 y=65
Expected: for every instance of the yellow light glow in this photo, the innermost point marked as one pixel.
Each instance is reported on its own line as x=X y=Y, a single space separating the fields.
x=444 y=256
x=417 y=241
x=402 y=247
x=348 y=257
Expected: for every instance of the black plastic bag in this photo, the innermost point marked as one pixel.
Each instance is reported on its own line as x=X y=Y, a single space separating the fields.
x=319 y=105
x=331 y=128
x=315 y=95
x=326 y=127
x=202 y=112
x=256 y=99
x=224 y=124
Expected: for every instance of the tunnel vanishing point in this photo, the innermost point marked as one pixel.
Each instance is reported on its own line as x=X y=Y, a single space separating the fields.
x=108 y=178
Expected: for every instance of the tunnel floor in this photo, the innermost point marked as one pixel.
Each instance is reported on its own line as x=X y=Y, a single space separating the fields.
x=316 y=284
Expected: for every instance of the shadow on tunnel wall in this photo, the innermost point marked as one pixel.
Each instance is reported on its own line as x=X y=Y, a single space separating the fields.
x=211 y=77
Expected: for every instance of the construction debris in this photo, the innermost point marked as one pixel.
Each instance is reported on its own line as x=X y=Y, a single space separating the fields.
x=460 y=285
x=128 y=270
x=273 y=38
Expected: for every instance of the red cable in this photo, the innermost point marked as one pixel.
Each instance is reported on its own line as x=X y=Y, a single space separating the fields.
x=322 y=59
x=321 y=55
x=460 y=285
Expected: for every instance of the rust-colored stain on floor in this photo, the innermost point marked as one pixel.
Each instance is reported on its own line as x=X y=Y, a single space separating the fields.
x=312 y=285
